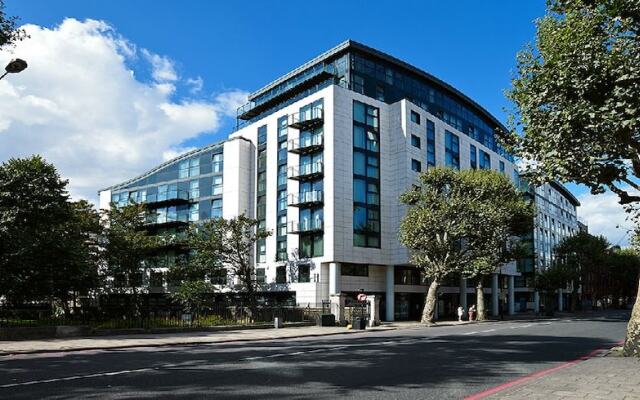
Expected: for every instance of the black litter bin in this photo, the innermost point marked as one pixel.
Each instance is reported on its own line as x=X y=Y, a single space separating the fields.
x=326 y=320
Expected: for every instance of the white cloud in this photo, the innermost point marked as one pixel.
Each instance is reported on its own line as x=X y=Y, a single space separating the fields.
x=605 y=217
x=163 y=68
x=196 y=84
x=81 y=107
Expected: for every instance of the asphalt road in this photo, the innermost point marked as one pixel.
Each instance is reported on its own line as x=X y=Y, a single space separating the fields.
x=418 y=363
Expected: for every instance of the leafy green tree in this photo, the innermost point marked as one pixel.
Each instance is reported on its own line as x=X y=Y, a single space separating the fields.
x=624 y=267
x=33 y=207
x=220 y=246
x=194 y=295
x=460 y=222
x=127 y=247
x=502 y=217
x=577 y=103
x=9 y=31
x=48 y=245
x=584 y=256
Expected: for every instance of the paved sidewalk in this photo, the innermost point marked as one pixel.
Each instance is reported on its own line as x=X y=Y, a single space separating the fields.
x=610 y=378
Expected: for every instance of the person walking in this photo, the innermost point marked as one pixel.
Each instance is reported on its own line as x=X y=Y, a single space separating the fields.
x=472 y=312
x=460 y=313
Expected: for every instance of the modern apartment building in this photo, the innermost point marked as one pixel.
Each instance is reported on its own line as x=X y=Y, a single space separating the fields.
x=320 y=157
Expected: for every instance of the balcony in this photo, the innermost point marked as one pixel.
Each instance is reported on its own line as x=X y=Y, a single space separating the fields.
x=307 y=144
x=157 y=220
x=306 y=198
x=308 y=119
x=286 y=90
x=170 y=197
x=306 y=172
x=306 y=226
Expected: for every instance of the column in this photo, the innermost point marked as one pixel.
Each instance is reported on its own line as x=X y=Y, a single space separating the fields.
x=374 y=305
x=390 y=294
x=334 y=278
x=536 y=302
x=511 y=294
x=463 y=293
x=495 y=296
x=560 y=301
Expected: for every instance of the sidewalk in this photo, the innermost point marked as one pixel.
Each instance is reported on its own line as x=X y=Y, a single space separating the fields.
x=610 y=378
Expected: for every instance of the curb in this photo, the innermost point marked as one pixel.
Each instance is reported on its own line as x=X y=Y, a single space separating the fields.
x=191 y=343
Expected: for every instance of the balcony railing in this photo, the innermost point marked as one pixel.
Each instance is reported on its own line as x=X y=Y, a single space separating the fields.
x=307 y=225
x=167 y=219
x=306 y=144
x=306 y=171
x=306 y=198
x=168 y=197
x=307 y=119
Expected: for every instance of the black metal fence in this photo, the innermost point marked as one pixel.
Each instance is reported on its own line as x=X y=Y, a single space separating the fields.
x=219 y=315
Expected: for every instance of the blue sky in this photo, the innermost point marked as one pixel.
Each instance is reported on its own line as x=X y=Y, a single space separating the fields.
x=230 y=48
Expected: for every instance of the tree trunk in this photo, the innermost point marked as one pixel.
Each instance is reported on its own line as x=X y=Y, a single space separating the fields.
x=429 y=311
x=632 y=341
x=481 y=309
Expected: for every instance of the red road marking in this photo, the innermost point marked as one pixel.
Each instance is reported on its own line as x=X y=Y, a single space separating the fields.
x=535 y=375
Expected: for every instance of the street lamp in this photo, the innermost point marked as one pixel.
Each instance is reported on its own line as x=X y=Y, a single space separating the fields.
x=16 y=65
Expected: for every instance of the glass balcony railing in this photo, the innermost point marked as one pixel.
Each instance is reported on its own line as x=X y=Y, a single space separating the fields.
x=306 y=198
x=306 y=144
x=170 y=196
x=307 y=225
x=167 y=219
x=306 y=171
x=307 y=119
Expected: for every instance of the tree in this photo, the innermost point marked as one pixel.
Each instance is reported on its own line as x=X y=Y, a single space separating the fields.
x=577 y=103
x=224 y=244
x=632 y=339
x=624 y=267
x=127 y=246
x=547 y=281
x=9 y=32
x=584 y=257
x=449 y=226
x=503 y=216
x=33 y=207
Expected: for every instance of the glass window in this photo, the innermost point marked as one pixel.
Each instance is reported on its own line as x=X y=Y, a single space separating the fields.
x=282 y=175
x=359 y=112
x=473 y=156
x=416 y=166
x=304 y=273
x=262 y=182
x=216 y=208
x=415 y=117
x=262 y=251
x=431 y=143
x=217 y=185
x=359 y=140
x=193 y=212
x=190 y=167
x=218 y=163
x=281 y=274
x=354 y=270
x=415 y=141
x=502 y=166
x=283 y=127
x=282 y=200
x=359 y=217
x=359 y=163
x=485 y=160
x=194 y=189
x=359 y=190
x=260 y=275
x=262 y=134
x=452 y=150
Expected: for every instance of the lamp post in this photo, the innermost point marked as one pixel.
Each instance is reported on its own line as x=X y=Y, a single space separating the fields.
x=16 y=65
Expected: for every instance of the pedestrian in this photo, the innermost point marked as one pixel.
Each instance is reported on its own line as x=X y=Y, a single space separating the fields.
x=472 y=312
x=460 y=313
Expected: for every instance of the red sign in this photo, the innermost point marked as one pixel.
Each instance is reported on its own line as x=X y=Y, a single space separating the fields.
x=362 y=297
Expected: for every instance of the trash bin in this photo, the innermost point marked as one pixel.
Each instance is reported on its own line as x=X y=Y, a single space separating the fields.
x=326 y=320
x=359 y=324
x=277 y=322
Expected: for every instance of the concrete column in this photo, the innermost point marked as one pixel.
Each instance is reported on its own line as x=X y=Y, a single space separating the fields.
x=495 y=296
x=463 y=293
x=337 y=307
x=560 y=300
x=374 y=307
x=334 y=278
x=536 y=302
x=390 y=294
x=511 y=294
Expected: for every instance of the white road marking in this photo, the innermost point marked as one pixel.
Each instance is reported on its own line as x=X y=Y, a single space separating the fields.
x=76 y=377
